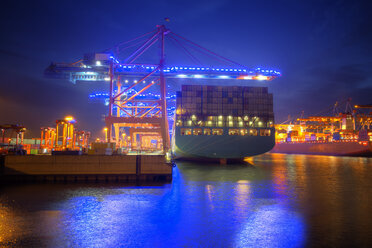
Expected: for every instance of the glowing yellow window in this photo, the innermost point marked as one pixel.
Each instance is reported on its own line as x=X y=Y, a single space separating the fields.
x=252 y=132
x=265 y=132
x=197 y=131
x=207 y=131
x=217 y=131
x=186 y=131
x=233 y=131
x=243 y=132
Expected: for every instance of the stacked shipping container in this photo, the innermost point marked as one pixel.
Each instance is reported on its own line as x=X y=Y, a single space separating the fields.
x=234 y=106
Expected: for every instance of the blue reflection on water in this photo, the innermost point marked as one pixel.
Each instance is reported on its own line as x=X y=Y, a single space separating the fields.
x=271 y=226
x=187 y=213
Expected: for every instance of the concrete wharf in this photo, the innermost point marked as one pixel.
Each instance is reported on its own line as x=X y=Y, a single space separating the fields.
x=85 y=168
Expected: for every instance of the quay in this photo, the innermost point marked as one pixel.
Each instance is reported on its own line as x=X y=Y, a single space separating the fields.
x=85 y=168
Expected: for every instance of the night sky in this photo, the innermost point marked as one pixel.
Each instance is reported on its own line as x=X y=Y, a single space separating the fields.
x=322 y=48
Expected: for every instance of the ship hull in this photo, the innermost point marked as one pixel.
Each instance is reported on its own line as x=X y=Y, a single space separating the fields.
x=326 y=148
x=213 y=147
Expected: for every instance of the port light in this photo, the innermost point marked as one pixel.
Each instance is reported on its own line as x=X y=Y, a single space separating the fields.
x=69 y=118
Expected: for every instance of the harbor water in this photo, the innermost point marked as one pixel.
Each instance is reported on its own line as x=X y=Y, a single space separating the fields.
x=272 y=200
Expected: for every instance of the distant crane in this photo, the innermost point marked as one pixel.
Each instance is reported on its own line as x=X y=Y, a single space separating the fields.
x=126 y=109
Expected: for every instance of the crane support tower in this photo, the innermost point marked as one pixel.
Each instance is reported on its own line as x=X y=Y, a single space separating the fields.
x=153 y=115
x=65 y=135
x=47 y=138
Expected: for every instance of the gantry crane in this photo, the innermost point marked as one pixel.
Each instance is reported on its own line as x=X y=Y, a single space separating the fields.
x=5 y=144
x=17 y=129
x=145 y=116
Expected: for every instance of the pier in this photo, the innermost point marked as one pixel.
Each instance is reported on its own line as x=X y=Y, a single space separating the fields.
x=85 y=168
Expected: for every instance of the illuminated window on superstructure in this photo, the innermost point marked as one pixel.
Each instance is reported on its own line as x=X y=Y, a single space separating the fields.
x=179 y=123
x=207 y=131
x=217 y=131
x=265 y=132
x=243 y=132
x=197 y=131
x=233 y=131
x=189 y=123
x=252 y=132
x=209 y=124
x=186 y=131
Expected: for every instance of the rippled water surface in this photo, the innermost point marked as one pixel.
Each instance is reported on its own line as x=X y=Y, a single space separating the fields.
x=272 y=201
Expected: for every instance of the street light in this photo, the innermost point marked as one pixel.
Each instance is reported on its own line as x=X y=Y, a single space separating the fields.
x=105 y=130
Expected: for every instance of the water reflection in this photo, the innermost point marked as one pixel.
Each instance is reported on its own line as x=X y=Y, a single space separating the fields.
x=242 y=198
x=274 y=201
x=271 y=226
x=280 y=179
x=210 y=193
x=8 y=228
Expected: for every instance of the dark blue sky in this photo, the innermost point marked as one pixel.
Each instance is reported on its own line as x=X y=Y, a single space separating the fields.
x=323 y=49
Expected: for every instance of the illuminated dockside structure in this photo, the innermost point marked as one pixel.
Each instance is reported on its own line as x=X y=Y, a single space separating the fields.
x=223 y=121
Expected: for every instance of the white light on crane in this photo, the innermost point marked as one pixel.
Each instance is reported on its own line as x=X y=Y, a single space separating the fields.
x=198 y=76
x=261 y=77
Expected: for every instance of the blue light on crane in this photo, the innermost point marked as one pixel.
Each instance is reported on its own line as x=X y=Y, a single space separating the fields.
x=171 y=99
x=148 y=95
x=175 y=69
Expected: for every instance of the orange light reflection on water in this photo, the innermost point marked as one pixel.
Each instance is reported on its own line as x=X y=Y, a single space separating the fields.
x=8 y=226
x=280 y=177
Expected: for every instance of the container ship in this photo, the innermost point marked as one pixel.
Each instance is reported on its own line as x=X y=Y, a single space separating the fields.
x=222 y=122
x=343 y=134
